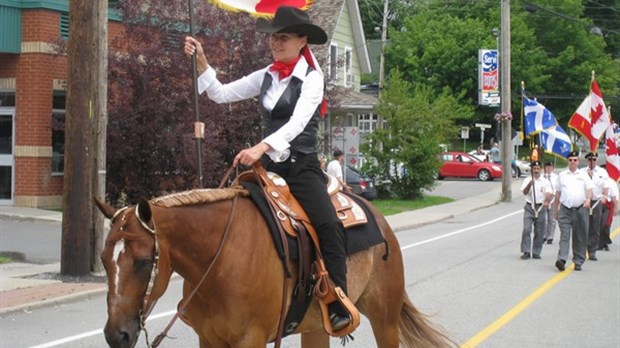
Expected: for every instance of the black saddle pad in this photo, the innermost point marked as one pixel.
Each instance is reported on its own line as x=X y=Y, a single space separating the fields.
x=358 y=238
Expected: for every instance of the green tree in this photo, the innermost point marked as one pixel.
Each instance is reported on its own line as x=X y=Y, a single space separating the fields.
x=151 y=148
x=405 y=153
x=571 y=52
x=605 y=15
x=553 y=52
x=372 y=15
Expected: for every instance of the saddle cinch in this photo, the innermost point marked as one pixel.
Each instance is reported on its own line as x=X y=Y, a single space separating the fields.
x=293 y=221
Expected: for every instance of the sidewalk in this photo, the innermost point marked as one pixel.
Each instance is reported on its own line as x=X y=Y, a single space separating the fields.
x=24 y=287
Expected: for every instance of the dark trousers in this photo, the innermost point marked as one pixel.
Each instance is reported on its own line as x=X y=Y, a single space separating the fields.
x=594 y=227
x=573 y=221
x=307 y=183
x=604 y=238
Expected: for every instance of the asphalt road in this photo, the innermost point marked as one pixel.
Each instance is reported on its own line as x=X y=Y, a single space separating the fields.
x=465 y=272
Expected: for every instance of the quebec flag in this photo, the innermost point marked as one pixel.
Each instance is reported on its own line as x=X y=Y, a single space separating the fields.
x=555 y=140
x=537 y=117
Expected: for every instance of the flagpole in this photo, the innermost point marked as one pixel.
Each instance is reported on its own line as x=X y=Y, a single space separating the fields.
x=522 y=109
x=199 y=127
x=534 y=157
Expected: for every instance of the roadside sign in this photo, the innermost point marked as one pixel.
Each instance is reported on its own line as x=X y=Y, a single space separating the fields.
x=518 y=139
x=465 y=133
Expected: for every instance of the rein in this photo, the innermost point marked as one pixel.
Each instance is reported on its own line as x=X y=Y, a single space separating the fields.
x=157 y=341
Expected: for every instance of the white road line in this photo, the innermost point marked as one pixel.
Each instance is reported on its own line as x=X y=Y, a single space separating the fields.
x=460 y=231
x=93 y=333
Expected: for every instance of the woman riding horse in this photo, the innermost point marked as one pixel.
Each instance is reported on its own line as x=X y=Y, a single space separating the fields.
x=290 y=93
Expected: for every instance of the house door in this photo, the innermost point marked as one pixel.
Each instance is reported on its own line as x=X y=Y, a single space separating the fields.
x=7 y=162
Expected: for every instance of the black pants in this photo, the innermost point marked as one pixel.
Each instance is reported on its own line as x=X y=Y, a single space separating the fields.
x=307 y=183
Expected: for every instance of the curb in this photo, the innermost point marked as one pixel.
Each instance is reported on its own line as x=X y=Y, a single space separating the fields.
x=44 y=219
x=57 y=301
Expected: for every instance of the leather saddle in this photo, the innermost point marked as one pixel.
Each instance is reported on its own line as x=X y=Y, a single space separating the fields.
x=293 y=220
x=287 y=208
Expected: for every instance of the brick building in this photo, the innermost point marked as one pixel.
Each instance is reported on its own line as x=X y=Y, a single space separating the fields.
x=32 y=100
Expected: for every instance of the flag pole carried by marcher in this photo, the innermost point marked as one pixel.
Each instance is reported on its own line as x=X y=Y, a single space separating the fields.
x=534 y=157
x=522 y=96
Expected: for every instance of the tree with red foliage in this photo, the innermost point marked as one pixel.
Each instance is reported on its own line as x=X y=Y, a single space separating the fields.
x=151 y=146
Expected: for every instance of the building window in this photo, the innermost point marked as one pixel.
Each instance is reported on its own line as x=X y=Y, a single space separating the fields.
x=58 y=133
x=64 y=25
x=7 y=99
x=348 y=75
x=367 y=123
x=333 y=63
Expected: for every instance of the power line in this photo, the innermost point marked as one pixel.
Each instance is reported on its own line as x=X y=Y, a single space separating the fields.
x=602 y=6
x=534 y=7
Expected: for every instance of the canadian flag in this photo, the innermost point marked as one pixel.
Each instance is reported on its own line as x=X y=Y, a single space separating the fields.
x=612 y=154
x=591 y=119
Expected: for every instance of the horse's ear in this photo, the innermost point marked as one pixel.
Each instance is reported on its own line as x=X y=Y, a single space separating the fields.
x=144 y=209
x=107 y=210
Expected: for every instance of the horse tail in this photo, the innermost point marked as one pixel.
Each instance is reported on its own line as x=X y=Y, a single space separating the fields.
x=417 y=330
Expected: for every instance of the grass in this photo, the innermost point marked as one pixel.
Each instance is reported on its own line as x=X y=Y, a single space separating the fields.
x=395 y=206
x=4 y=259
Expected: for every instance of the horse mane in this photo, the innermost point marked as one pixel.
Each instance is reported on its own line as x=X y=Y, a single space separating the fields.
x=199 y=196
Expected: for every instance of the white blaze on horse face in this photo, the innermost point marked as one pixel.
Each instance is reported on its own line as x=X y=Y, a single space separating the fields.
x=118 y=249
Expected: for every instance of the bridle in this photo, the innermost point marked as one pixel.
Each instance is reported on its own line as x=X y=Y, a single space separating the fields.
x=146 y=308
x=147 y=304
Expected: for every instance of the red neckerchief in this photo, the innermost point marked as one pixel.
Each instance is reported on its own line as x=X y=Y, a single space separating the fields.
x=284 y=70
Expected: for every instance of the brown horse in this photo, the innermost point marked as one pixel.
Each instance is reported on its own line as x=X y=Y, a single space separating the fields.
x=238 y=304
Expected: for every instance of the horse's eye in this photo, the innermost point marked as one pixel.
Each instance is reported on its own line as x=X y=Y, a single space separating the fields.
x=142 y=264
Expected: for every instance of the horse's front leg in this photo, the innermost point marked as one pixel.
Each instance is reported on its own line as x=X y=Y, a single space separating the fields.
x=315 y=339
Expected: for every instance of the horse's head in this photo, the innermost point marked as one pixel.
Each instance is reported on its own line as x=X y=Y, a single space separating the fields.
x=129 y=256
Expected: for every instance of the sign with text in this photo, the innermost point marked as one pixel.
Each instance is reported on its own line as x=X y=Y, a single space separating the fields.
x=488 y=77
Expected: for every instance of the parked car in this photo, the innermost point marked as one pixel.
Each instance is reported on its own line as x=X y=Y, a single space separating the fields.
x=485 y=156
x=523 y=168
x=463 y=165
x=360 y=184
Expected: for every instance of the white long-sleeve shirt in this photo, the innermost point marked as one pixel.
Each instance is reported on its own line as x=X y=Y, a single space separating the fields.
x=249 y=87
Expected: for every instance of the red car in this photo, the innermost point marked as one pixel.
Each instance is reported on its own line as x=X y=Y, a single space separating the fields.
x=463 y=165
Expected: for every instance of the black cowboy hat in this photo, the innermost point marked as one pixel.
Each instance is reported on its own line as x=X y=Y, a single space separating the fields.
x=292 y=20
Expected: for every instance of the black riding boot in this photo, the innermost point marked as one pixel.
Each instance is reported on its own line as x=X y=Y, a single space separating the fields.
x=334 y=255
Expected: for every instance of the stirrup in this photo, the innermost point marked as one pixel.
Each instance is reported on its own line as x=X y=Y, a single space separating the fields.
x=326 y=292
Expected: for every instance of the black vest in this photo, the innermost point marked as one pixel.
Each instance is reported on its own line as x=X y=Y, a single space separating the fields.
x=306 y=141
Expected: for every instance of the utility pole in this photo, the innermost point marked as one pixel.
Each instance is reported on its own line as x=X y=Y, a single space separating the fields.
x=382 y=58
x=85 y=134
x=506 y=147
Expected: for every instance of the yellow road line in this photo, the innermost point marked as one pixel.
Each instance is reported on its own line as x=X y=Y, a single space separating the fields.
x=514 y=311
